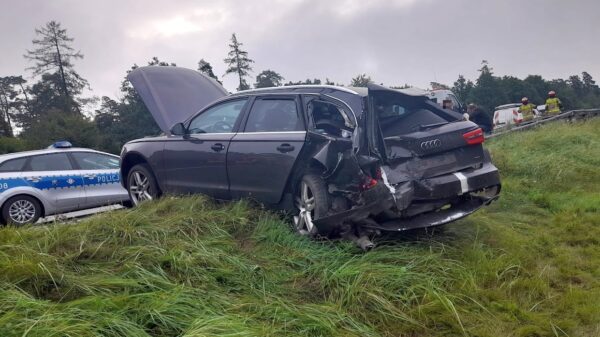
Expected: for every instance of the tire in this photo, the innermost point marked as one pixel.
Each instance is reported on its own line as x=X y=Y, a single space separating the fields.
x=311 y=187
x=141 y=184
x=21 y=210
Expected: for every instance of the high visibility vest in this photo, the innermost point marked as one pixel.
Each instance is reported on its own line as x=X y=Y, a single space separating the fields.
x=553 y=106
x=527 y=111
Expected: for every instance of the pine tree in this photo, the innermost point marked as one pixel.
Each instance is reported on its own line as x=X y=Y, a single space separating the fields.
x=268 y=78
x=207 y=69
x=238 y=62
x=462 y=88
x=9 y=102
x=53 y=54
x=361 y=80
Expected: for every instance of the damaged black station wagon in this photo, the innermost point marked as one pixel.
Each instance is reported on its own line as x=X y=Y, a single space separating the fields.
x=344 y=161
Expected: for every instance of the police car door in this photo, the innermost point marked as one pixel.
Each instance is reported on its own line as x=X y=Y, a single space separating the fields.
x=57 y=180
x=101 y=178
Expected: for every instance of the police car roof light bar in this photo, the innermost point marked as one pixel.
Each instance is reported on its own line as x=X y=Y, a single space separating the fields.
x=61 y=144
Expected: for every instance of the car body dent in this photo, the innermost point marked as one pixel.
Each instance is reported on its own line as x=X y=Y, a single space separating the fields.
x=413 y=181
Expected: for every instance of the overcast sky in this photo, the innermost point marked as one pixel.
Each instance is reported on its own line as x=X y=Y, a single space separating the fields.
x=393 y=41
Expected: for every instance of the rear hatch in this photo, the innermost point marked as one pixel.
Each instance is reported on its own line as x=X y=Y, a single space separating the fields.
x=417 y=139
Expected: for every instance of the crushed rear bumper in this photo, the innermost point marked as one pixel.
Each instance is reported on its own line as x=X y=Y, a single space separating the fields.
x=423 y=202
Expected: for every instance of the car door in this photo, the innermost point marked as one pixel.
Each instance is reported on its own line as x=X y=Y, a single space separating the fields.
x=101 y=178
x=261 y=158
x=57 y=179
x=196 y=162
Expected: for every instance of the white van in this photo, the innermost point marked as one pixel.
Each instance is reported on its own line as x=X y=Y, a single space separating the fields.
x=507 y=114
x=441 y=95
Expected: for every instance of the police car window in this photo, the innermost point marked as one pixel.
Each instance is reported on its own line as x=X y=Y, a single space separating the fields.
x=50 y=162
x=95 y=161
x=272 y=115
x=218 y=119
x=13 y=165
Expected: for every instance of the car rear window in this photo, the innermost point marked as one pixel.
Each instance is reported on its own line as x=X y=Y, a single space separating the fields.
x=50 y=162
x=398 y=114
x=13 y=165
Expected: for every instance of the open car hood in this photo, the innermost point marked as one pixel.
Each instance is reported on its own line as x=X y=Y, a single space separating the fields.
x=174 y=94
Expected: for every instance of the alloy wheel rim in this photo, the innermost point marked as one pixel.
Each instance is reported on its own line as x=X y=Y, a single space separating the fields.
x=305 y=203
x=139 y=188
x=21 y=211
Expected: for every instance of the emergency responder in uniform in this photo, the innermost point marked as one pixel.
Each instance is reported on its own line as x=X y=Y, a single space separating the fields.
x=553 y=104
x=526 y=109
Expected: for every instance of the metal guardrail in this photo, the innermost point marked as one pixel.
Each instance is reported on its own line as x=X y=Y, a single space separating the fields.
x=568 y=115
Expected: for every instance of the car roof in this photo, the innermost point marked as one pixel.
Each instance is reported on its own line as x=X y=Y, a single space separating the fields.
x=15 y=155
x=323 y=89
x=307 y=88
x=506 y=106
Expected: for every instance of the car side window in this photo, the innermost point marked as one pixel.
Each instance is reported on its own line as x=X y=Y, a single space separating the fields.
x=455 y=103
x=220 y=118
x=274 y=115
x=13 y=165
x=95 y=161
x=50 y=162
x=330 y=118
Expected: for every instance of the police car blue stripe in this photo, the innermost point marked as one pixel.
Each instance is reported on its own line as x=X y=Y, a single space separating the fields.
x=62 y=181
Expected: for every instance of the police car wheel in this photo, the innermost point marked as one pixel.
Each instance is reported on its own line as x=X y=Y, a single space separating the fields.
x=21 y=210
x=141 y=184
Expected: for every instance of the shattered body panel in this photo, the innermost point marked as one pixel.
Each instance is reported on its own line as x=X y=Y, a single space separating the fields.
x=388 y=159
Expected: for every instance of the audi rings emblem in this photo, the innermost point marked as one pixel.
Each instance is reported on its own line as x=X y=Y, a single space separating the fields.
x=431 y=144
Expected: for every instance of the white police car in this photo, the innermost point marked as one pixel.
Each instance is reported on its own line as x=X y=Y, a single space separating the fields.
x=59 y=179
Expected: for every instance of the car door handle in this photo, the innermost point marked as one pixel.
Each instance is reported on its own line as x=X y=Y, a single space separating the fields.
x=285 y=148
x=33 y=179
x=218 y=147
x=89 y=176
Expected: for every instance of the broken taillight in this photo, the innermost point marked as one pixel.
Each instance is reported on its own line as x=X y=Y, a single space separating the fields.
x=370 y=182
x=474 y=137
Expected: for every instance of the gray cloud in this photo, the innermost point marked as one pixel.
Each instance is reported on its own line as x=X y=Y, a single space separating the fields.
x=396 y=42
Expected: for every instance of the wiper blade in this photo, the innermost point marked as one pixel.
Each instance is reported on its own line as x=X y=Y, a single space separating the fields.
x=429 y=126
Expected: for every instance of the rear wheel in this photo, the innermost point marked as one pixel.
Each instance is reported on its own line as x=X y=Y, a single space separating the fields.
x=141 y=184
x=312 y=202
x=21 y=210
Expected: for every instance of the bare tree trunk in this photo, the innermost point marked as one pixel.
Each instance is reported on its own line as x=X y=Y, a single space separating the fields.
x=6 y=127
x=27 y=103
x=62 y=75
x=237 y=59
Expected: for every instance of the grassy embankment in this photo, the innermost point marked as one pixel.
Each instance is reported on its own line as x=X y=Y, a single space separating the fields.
x=529 y=265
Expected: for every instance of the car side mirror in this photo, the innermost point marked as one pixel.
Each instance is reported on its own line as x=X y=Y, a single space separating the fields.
x=178 y=129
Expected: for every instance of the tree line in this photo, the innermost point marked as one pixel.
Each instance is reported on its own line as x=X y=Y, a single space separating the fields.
x=50 y=108
x=489 y=91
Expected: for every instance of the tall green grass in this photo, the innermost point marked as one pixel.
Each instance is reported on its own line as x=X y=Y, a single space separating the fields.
x=529 y=265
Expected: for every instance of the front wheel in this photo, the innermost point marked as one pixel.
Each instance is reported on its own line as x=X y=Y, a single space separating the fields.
x=312 y=202
x=21 y=210
x=141 y=184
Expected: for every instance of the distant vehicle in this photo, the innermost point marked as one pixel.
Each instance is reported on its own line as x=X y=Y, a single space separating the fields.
x=59 y=179
x=338 y=158
x=541 y=109
x=441 y=95
x=507 y=114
